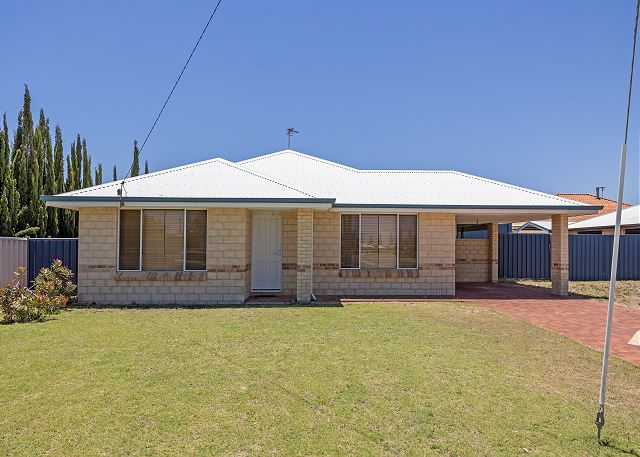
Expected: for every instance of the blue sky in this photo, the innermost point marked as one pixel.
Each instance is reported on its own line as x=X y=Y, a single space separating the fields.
x=528 y=92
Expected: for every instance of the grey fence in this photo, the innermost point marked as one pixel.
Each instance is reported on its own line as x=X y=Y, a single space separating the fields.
x=43 y=251
x=13 y=255
x=528 y=256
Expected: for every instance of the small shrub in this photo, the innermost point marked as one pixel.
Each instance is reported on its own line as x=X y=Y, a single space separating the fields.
x=55 y=281
x=53 y=289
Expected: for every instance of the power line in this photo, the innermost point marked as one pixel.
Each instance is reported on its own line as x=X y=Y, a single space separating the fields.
x=175 y=85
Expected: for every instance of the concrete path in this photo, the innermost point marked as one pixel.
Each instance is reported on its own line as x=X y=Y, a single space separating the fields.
x=580 y=319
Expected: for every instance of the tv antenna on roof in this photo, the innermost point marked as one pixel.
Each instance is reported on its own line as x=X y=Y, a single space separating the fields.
x=290 y=132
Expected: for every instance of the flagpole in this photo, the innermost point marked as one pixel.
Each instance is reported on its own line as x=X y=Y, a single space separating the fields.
x=616 y=246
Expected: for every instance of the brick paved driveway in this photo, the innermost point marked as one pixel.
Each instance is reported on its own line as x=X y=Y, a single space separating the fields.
x=581 y=319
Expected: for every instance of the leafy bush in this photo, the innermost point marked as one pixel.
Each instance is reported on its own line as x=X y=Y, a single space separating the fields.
x=55 y=281
x=53 y=289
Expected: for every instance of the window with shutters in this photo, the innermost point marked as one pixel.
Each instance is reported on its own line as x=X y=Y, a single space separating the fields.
x=162 y=240
x=379 y=241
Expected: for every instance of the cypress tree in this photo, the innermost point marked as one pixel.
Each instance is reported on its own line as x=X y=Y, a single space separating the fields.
x=99 y=174
x=4 y=164
x=58 y=181
x=87 y=181
x=20 y=176
x=5 y=128
x=34 y=218
x=25 y=127
x=77 y=162
x=69 y=217
x=115 y=174
x=4 y=201
x=5 y=217
x=146 y=167
x=135 y=167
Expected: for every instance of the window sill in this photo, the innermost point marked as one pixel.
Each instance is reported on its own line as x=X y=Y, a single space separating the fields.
x=161 y=276
x=379 y=273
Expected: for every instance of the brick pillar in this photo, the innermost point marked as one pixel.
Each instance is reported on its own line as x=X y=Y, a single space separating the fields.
x=304 y=255
x=493 y=252
x=560 y=255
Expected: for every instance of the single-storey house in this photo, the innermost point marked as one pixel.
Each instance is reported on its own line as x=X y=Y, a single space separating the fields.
x=297 y=226
x=605 y=224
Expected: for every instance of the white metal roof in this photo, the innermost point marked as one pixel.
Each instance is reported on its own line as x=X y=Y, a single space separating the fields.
x=350 y=186
x=208 y=179
x=294 y=177
x=630 y=216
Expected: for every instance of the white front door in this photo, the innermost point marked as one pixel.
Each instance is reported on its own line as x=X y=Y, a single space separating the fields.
x=266 y=251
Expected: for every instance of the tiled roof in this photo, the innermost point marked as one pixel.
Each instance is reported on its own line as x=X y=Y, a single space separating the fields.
x=590 y=199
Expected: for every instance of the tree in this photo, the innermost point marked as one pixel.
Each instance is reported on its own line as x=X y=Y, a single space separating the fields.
x=146 y=167
x=99 y=174
x=22 y=186
x=68 y=216
x=135 y=167
x=58 y=180
x=86 y=166
x=5 y=216
x=115 y=174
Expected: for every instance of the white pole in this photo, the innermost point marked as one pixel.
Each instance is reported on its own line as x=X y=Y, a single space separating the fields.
x=612 y=293
x=616 y=244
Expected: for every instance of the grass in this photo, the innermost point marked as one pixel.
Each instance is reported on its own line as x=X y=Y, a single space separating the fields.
x=627 y=292
x=386 y=378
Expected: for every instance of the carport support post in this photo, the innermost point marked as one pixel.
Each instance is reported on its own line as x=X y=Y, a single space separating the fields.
x=493 y=252
x=560 y=254
x=304 y=256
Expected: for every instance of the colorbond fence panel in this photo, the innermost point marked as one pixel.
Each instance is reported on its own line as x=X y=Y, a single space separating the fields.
x=43 y=251
x=13 y=254
x=528 y=256
x=524 y=256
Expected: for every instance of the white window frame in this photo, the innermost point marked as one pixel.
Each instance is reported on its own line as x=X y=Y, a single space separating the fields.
x=397 y=267
x=184 y=237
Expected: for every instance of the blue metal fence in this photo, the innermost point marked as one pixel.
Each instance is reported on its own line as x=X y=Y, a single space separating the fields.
x=43 y=251
x=528 y=256
x=524 y=256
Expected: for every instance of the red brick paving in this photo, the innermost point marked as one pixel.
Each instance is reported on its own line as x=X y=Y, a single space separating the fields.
x=580 y=319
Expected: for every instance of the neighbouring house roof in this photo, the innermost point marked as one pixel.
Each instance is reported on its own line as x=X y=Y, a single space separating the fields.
x=544 y=226
x=607 y=204
x=296 y=177
x=630 y=216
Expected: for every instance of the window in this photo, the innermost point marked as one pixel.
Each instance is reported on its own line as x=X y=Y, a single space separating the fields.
x=407 y=241
x=590 y=232
x=378 y=241
x=196 y=249
x=129 y=239
x=350 y=241
x=162 y=240
x=632 y=231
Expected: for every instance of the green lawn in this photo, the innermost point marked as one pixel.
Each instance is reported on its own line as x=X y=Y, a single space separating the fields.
x=385 y=378
x=627 y=292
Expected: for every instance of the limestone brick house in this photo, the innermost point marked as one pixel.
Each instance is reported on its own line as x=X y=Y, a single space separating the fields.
x=297 y=226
